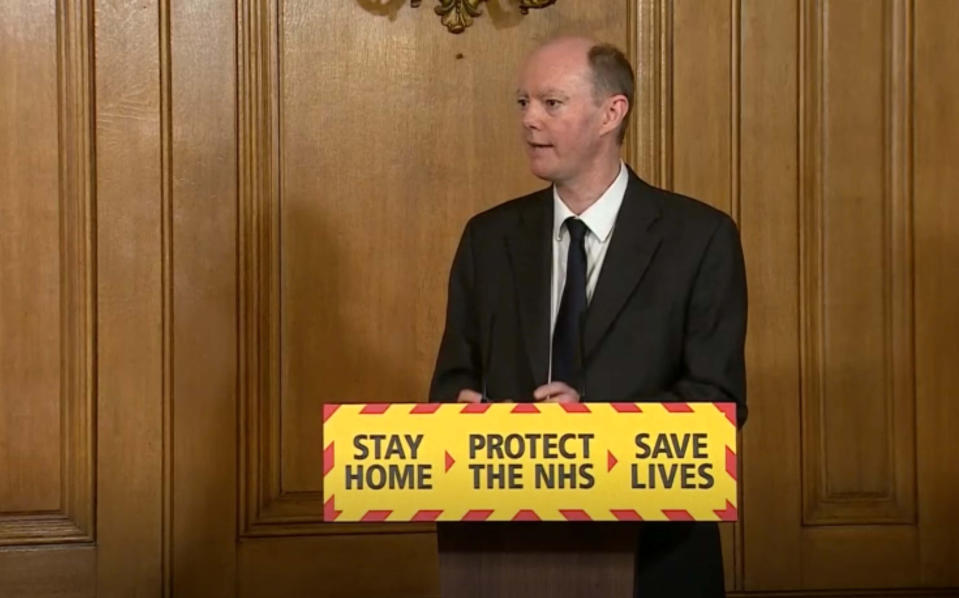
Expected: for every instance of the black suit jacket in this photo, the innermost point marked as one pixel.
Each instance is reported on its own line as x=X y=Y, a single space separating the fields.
x=666 y=322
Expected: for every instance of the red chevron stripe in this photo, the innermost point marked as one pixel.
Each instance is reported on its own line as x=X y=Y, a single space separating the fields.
x=678 y=515
x=376 y=515
x=575 y=515
x=329 y=509
x=328 y=410
x=625 y=515
x=730 y=513
x=525 y=408
x=374 y=409
x=475 y=408
x=328 y=458
x=611 y=460
x=526 y=515
x=678 y=407
x=477 y=515
x=422 y=515
x=425 y=408
x=626 y=407
x=731 y=463
x=729 y=410
x=576 y=407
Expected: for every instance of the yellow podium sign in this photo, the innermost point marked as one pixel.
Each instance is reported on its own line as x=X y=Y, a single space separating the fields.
x=530 y=461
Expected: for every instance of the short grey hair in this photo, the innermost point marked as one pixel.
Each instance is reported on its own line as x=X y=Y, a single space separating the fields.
x=613 y=75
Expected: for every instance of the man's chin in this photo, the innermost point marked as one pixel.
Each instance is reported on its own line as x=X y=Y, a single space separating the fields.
x=542 y=172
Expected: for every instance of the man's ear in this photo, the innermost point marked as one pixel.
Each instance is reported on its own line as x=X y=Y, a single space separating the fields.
x=615 y=109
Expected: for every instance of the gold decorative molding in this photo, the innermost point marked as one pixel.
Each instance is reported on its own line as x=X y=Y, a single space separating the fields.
x=457 y=15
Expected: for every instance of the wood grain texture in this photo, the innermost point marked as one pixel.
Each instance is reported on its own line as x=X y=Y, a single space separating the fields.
x=265 y=224
x=702 y=106
x=648 y=144
x=769 y=228
x=47 y=306
x=30 y=263
x=396 y=565
x=56 y=572
x=131 y=300
x=203 y=156
x=357 y=175
x=860 y=557
x=694 y=132
x=856 y=252
x=936 y=183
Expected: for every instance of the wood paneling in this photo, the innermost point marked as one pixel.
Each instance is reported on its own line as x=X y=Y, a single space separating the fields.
x=936 y=121
x=203 y=158
x=649 y=137
x=702 y=108
x=695 y=128
x=856 y=253
x=395 y=565
x=769 y=225
x=130 y=275
x=56 y=572
x=366 y=144
x=280 y=185
x=47 y=306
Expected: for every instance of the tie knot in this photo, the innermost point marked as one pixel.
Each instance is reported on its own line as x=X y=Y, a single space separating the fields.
x=577 y=229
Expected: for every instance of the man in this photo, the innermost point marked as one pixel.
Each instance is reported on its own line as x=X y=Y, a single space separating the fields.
x=600 y=287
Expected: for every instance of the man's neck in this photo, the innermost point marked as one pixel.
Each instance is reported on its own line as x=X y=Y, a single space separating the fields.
x=581 y=193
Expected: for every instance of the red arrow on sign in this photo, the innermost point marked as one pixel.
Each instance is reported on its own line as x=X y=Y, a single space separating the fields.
x=610 y=461
x=449 y=460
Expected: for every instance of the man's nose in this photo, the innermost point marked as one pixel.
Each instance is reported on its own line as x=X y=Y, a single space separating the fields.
x=531 y=118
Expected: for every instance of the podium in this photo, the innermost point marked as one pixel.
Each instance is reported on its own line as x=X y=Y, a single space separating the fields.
x=538 y=499
x=532 y=559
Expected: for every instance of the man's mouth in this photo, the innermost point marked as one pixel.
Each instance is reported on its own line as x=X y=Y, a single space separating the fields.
x=538 y=145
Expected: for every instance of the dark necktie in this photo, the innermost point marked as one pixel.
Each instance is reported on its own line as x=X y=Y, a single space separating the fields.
x=567 y=333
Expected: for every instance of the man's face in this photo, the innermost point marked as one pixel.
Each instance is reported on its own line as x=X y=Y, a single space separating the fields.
x=558 y=112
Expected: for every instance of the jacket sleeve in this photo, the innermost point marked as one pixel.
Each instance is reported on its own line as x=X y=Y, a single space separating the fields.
x=458 y=360
x=713 y=348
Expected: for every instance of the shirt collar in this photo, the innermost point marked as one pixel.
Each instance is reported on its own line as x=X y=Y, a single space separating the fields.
x=600 y=217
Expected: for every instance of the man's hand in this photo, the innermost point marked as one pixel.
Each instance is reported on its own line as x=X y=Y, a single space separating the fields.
x=469 y=396
x=556 y=392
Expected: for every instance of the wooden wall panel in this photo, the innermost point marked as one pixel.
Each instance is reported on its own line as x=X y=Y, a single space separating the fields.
x=383 y=137
x=131 y=264
x=29 y=359
x=702 y=106
x=856 y=252
x=47 y=304
x=702 y=60
x=304 y=170
x=769 y=229
x=648 y=145
x=936 y=186
x=203 y=161
x=57 y=572
x=395 y=565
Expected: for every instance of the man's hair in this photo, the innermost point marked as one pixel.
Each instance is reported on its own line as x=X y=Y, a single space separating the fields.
x=612 y=75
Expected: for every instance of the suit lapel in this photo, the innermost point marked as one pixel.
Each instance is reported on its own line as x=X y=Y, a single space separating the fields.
x=530 y=254
x=632 y=247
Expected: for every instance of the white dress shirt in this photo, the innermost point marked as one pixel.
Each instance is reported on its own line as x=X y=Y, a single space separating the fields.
x=599 y=219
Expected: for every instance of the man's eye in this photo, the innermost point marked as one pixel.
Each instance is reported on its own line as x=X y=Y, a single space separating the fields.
x=522 y=102
x=552 y=103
